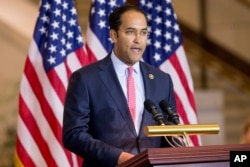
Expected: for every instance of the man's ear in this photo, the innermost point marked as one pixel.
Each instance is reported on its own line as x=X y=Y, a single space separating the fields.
x=113 y=35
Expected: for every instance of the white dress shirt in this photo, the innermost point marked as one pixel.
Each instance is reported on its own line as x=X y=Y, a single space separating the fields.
x=122 y=73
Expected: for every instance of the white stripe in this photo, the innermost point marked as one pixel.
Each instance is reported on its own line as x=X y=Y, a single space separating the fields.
x=181 y=56
x=34 y=107
x=94 y=44
x=184 y=65
x=74 y=159
x=29 y=144
x=73 y=62
x=62 y=74
x=50 y=94
x=180 y=91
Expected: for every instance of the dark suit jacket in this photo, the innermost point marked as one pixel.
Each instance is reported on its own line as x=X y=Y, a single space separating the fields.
x=97 y=124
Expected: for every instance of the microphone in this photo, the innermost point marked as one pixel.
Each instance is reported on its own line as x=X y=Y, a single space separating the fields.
x=158 y=117
x=173 y=116
x=150 y=106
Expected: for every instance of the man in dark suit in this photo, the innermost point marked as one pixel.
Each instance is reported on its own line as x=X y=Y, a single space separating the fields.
x=97 y=123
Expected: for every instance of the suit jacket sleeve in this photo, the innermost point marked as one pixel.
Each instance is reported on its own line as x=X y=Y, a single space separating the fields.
x=76 y=120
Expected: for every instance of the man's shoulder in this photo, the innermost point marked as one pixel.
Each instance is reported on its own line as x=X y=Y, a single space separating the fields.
x=89 y=68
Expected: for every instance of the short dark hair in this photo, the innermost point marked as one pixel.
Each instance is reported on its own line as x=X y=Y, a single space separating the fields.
x=115 y=16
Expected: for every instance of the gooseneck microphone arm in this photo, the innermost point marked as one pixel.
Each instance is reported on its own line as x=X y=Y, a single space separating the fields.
x=173 y=116
x=158 y=117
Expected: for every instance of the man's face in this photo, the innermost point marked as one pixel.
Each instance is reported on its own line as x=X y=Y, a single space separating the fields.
x=131 y=38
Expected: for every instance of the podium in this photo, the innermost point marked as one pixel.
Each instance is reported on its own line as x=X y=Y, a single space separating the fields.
x=202 y=156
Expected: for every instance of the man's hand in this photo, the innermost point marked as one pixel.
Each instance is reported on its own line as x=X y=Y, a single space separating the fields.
x=124 y=156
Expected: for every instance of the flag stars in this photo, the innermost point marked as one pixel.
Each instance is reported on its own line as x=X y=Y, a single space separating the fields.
x=47 y=6
x=101 y=1
x=167 y=35
x=55 y=24
x=68 y=46
x=157 y=57
x=176 y=27
x=101 y=12
x=72 y=22
x=176 y=39
x=149 y=16
x=73 y=11
x=57 y=12
x=112 y=3
x=45 y=19
x=168 y=12
x=59 y=30
x=168 y=23
x=142 y=2
x=52 y=60
x=157 y=45
x=58 y=2
x=63 y=53
x=64 y=17
x=110 y=40
x=102 y=24
x=158 y=20
x=158 y=8
x=167 y=48
x=54 y=36
x=42 y=30
x=70 y=34
x=149 y=5
x=63 y=29
x=79 y=39
x=63 y=41
x=149 y=41
x=157 y=32
x=52 y=49
x=65 y=5
x=93 y=11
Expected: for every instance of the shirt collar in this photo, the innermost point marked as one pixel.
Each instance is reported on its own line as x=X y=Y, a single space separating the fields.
x=121 y=67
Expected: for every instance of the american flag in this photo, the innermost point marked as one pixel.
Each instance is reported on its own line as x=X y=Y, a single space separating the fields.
x=98 y=42
x=165 y=51
x=56 y=51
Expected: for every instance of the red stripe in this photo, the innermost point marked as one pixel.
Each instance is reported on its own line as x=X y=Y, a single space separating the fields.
x=79 y=160
x=46 y=109
x=90 y=56
x=23 y=155
x=57 y=84
x=181 y=110
x=176 y=64
x=194 y=139
x=68 y=71
x=31 y=124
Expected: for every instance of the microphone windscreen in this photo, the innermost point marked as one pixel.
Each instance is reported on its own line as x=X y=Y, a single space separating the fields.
x=149 y=105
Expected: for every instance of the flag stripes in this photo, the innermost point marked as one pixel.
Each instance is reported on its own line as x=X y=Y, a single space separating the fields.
x=55 y=52
x=165 y=51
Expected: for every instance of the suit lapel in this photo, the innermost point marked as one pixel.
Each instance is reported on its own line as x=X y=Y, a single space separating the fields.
x=108 y=76
x=148 y=79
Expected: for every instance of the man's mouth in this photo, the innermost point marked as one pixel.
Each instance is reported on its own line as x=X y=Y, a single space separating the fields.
x=136 y=50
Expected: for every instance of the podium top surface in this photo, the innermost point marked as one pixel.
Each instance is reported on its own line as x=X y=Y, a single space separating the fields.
x=184 y=155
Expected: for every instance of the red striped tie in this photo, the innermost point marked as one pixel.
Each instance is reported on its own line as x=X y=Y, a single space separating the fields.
x=131 y=93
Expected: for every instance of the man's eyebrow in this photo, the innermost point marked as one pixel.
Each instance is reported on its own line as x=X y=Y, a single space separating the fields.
x=131 y=28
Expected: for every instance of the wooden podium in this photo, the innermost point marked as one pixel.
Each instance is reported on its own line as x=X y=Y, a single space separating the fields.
x=202 y=156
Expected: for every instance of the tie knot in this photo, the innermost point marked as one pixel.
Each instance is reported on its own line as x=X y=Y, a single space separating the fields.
x=130 y=70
